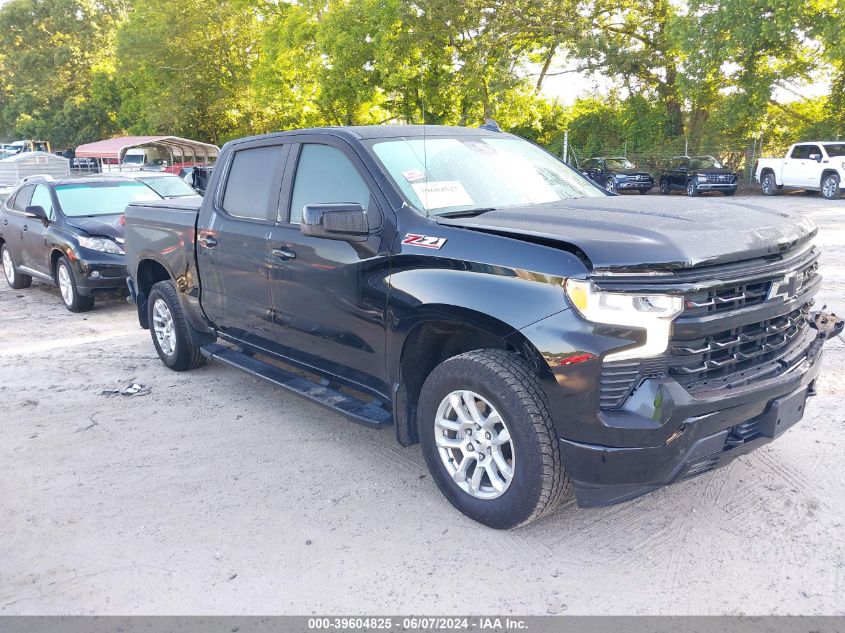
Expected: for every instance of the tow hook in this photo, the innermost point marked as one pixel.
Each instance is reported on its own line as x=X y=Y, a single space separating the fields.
x=827 y=323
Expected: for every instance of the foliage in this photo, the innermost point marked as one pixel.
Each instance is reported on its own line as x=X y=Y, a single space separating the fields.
x=700 y=71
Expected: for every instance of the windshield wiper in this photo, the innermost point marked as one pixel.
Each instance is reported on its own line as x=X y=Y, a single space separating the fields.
x=466 y=213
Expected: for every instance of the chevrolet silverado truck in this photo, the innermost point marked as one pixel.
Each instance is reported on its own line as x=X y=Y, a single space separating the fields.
x=534 y=334
x=815 y=166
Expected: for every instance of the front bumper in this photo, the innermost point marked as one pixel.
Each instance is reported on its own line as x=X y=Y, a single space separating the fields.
x=716 y=186
x=665 y=433
x=639 y=185
x=103 y=272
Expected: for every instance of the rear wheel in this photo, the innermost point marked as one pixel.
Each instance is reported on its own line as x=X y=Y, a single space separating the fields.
x=488 y=439
x=16 y=280
x=830 y=187
x=664 y=187
x=768 y=185
x=692 y=189
x=169 y=329
x=66 y=282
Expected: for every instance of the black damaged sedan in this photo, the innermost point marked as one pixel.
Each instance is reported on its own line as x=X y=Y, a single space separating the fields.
x=68 y=233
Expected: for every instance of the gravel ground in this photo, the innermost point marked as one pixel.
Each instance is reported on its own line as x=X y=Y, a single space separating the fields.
x=217 y=493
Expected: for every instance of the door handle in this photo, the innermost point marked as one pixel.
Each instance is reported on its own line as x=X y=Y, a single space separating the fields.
x=284 y=253
x=206 y=241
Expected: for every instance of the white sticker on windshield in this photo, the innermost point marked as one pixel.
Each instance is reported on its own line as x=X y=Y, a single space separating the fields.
x=442 y=193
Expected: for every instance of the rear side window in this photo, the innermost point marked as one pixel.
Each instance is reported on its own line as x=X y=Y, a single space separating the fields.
x=252 y=182
x=23 y=198
x=324 y=175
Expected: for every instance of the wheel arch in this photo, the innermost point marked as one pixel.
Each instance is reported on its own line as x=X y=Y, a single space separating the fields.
x=149 y=272
x=436 y=334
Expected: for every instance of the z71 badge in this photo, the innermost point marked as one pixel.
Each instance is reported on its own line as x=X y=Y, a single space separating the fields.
x=426 y=241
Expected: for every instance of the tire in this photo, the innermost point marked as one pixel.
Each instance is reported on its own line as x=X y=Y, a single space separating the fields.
x=505 y=382
x=730 y=193
x=692 y=189
x=66 y=283
x=644 y=191
x=169 y=329
x=664 y=187
x=830 y=187
x=768 y=185
x=15 y=279
x=610 y=185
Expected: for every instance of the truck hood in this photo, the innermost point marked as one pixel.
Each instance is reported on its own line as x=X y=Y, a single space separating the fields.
x=103 y=225
x=649 y=232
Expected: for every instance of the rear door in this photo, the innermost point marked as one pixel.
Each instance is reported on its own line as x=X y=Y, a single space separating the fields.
x=15 y=223
x=795 y=166
x=35 y=255
x=328 y=295
x=232 y=247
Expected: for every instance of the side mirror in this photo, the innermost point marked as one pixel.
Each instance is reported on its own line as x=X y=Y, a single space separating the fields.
x=345 y=221
x=36 y=212
x=816 y=157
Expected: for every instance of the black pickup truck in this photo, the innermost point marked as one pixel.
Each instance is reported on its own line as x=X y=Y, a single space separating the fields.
x=531 y=332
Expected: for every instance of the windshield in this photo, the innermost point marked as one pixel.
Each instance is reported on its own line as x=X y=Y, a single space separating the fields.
x=168 y=186
x=835 y=149
x=466 y=173
x=704 y=162
x=101 y=198
x=133 y=159
x=619 y=163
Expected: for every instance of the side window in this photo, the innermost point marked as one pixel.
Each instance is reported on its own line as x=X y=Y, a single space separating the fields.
x=813 y=149
x=800 y=151
x=41 y=198
x=252 y=182
x=23 y=198
x=325 y=175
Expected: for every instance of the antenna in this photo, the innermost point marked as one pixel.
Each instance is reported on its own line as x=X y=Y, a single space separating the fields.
x=425 y=151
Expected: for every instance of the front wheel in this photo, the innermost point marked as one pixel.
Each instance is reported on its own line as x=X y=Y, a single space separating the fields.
x=610 y=185
x=488 y=439
x=643 y=192
x=830 y=187
x=66 y=282
x=16 y=280
x=692 y=189
x=169 y=329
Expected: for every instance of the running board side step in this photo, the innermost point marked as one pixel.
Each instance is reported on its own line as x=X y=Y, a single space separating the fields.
x=354 y=408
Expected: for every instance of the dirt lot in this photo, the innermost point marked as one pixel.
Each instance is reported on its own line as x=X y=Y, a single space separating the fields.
x=217 y=493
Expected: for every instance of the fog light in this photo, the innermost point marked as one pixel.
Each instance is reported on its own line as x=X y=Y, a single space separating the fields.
x=95 y=274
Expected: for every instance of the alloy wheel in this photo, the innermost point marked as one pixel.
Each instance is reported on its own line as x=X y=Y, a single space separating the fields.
x=610 y=185
x=768 y=184
x=164 y=327
x=474 y=444
x=8 y=267
x=65 y=285
x=829 y=187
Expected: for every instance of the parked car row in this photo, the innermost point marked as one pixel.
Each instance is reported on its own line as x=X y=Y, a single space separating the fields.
x=692 y=174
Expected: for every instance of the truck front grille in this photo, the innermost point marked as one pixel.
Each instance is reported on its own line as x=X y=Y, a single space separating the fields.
x=715 y=355
x=741 y=322
x=721 y=178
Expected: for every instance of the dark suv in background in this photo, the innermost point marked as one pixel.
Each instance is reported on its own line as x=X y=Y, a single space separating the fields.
x=617 y=174
x=68 y=233
x=697 y=174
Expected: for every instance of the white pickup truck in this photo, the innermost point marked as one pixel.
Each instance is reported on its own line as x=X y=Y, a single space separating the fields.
x=811 y=166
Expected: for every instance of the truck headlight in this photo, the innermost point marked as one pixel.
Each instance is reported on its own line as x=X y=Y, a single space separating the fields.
x=102 y=244
x=653 y=313
x=702 y=178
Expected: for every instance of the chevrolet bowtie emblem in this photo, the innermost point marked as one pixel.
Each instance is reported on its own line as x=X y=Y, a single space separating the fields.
x=785 y=288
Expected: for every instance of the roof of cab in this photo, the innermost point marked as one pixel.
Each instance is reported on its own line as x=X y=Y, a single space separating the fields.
x=366 y=132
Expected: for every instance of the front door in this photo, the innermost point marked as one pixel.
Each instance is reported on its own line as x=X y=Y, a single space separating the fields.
x=232 y=246
x=328 y=296
x=35 y=255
